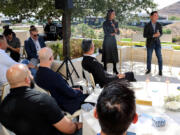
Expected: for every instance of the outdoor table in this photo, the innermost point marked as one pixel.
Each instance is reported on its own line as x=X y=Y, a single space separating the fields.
x=144 y=126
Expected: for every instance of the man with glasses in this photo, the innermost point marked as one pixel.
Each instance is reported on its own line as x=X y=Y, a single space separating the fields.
x=33 y=44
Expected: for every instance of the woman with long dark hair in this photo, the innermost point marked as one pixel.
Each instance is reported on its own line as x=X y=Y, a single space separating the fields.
x=110 y=52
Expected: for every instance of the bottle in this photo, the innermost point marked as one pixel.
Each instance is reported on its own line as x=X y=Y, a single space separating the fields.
x=97 y=89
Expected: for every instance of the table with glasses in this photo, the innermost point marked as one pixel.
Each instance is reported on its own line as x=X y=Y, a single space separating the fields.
x=150 y=97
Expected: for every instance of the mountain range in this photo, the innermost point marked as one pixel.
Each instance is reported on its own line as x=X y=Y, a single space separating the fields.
x=171 y=10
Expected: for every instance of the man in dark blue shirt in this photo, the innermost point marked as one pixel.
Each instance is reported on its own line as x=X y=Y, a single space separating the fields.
x=68 y=99
x=116 y=108
x=25 y=111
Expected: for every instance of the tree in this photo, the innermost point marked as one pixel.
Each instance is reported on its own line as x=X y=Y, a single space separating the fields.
x=41 y=9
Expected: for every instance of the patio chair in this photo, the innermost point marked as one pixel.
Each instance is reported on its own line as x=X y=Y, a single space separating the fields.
x=42 y=90
x=4 y=131
x=5 y=91
x=89 y=78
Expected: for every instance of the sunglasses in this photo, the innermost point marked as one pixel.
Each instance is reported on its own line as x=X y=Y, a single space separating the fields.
x=35 y=35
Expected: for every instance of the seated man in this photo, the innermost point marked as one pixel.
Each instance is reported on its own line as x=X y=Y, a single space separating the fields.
x=33 y=44
x=91 y=64
x=116 y=108
x=26 y=111
x=6 y=61
x=13 y=44
x=68 y=99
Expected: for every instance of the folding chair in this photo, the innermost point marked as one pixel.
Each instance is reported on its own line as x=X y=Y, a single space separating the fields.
x=89 y=78
x=42 y=90
x=5 y=91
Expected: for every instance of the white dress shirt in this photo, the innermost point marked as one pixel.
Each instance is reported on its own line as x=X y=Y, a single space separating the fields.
x=37 y=45
x=5 y=63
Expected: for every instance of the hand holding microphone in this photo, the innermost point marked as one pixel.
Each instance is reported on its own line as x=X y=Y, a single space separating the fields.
x=157 y=34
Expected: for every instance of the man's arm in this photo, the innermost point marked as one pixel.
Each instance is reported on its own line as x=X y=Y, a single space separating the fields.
x=54 y=116
x=64 y=88
x=67 y=126
x=101 y=74
x=17 y=48
x=147 y=33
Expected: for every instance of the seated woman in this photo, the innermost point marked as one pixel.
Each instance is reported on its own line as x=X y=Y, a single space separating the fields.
x=91 y=64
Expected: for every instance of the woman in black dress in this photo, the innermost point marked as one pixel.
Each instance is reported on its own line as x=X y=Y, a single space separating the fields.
x=110 y=52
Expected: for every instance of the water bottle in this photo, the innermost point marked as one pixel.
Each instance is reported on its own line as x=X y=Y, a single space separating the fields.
x=97 y=89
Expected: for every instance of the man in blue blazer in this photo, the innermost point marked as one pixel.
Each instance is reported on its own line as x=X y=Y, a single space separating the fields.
x=33 y=44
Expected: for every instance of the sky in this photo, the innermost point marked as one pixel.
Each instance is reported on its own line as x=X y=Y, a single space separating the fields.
x=164 y=3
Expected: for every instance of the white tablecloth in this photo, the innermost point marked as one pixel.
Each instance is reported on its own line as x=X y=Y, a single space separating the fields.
x=144 y=91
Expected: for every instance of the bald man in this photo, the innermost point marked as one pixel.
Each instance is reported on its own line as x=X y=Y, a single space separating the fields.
x=26 y=111
x=68 y=99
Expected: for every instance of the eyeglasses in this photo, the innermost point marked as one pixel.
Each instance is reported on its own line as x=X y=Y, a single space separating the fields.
x=35 y=35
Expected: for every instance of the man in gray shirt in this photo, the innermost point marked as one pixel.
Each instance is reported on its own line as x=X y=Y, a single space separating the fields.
x=13 y=44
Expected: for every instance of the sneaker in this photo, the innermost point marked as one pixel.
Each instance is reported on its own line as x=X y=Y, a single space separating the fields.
x=160 y=73
x=148 y=71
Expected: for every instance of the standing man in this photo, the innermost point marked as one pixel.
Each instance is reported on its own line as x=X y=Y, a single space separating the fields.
x=153 y=31
x=50 y=30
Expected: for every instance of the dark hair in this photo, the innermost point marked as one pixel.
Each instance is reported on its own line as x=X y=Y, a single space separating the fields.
x=109 y=13
x=116 y=107
x=32 y=28
x=1 y=37
x=153 y=12
x=7 y=32
x=6 y=27
x=86 y=45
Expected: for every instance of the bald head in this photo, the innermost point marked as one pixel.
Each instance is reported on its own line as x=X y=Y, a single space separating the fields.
x=18 y=75
x=45 y=54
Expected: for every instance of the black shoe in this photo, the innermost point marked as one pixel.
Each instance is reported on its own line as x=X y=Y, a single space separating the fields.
x=160 y=73
x=148 y=71
x=115 y=71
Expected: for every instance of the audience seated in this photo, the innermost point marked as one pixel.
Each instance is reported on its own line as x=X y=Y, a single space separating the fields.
x=5 y=61
x=26 y=111
x=13 y=44
x=33 y=44
x=116 y=108
x=68 y=99
x=91 y=64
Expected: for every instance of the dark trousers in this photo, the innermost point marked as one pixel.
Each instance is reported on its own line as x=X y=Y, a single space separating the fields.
x=157 y=49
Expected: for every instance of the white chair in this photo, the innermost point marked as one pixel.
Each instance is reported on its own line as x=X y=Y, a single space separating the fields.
x=5 y=91
x=4 y=131
x=89 y=78
x=41 y=89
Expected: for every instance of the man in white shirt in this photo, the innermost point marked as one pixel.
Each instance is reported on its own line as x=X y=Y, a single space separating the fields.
x=5 y=60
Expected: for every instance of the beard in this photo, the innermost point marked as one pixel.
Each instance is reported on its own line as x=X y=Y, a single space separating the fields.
x=32 y=84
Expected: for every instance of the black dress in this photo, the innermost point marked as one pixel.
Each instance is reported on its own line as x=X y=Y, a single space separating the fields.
x=110 y=52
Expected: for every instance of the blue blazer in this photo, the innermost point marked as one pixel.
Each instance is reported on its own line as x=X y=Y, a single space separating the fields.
x=31 y=48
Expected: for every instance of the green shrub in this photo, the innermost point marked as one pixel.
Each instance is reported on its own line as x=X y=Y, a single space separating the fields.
x=176 y=47
x=75 y=48
x=166 y=31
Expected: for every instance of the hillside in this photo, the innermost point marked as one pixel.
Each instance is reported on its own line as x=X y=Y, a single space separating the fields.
x=172 y=10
